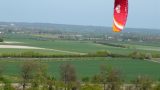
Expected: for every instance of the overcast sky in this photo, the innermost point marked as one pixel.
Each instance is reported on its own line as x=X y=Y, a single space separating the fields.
x=142 y=13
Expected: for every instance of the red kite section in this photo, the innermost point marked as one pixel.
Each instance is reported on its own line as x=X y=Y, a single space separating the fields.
x=120 y=15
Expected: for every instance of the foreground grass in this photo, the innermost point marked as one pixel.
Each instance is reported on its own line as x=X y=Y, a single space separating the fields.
x=87 y=67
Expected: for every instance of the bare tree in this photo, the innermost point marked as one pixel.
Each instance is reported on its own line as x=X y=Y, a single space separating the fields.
x=27 y=70
x=40 y=77
x=111 y=77
x=114 y=79
x=50 y=82
x=68 y=74
x=143 y=83
x=103 y=75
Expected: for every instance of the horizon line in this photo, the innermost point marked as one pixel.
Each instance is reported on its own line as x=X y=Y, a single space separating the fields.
x=73 y=24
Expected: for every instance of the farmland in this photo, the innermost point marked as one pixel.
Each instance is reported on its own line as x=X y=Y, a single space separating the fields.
x=51 y=51
x=130 y=68
x=75 y=46
x=81 y=46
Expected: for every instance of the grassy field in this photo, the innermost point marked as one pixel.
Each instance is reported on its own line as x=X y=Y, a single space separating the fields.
x=18 y=51
x=90 y=66
x=85 y=46
x=78 y=46
x=85 y=66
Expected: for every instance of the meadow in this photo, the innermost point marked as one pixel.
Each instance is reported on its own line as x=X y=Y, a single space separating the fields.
x=86 y=67
x=80 y=46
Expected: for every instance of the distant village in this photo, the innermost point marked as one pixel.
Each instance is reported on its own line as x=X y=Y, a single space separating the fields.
x=67 y=33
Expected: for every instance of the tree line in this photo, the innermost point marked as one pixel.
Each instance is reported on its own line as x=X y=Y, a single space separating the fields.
x=34 y=75
x=103 y=53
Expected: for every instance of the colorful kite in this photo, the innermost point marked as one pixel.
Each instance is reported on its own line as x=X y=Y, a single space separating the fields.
x=120 y=15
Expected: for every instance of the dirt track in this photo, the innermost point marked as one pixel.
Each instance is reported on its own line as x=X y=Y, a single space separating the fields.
x=29 y=47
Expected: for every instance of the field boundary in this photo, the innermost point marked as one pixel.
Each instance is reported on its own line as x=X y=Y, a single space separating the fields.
x=30 y=47
x=153 y=60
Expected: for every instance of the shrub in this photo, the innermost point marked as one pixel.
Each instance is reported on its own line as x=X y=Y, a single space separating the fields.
x=157 y=87
x=96 y=79
x=85 y=79
x=137 y=55
x=8 y=86
x=91 y=87
x=1 y=40
x=30 y=54
x=148 y=56
x=103 y=53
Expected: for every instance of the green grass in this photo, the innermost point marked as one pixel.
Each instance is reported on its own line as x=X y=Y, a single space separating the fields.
x=18 y=51
x=90 y=66
x=85 y=66
x=82 y=46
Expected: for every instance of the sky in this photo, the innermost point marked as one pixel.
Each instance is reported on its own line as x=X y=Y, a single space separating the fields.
x=142 y=13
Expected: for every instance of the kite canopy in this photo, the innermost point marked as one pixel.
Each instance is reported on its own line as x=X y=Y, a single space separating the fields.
x=120 y=15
